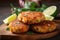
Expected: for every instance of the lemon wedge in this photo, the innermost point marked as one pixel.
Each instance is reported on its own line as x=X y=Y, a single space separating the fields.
x=10 y=18
x=47 y=17
x=50 y=10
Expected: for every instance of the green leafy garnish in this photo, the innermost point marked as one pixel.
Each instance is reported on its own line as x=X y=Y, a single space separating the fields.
x=30 y=32
x=29 y=6
x=7 y=28
x=33 y=5
x=42 y=8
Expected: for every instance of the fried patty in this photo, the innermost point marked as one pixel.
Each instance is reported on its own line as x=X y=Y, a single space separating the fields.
x=18 y=27
x=44 y=26
x=30 y=17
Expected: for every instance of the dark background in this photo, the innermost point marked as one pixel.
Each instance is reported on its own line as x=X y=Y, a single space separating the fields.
x=5 y=11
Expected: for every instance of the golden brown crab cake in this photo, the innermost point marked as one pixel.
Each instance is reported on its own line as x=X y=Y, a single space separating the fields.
x=18 y=27
x=44 y=26
x=30 y=17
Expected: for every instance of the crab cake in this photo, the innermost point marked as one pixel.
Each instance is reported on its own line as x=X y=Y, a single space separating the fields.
x=44 y=26
x=18 y=27
x=30 y=17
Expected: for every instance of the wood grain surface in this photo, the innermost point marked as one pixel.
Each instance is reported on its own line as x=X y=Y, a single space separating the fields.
x=4 y=33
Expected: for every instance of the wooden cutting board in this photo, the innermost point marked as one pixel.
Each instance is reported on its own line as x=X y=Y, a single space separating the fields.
x=8 y=35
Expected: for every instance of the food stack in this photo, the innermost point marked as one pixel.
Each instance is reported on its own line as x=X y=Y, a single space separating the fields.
x=33 y=18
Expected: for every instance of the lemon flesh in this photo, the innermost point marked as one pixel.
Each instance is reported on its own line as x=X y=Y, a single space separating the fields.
x=10 y=18
x=50 y=10
x=47 y=17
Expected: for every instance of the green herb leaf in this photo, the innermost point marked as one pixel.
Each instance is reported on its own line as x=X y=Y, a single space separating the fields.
x=27 y=5
x=7 y=28
x=25 y=9
x=41 y=9
x=30 y=32
x=30 y=5
x=33 y=5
